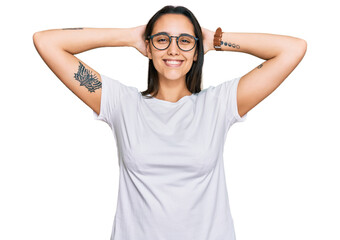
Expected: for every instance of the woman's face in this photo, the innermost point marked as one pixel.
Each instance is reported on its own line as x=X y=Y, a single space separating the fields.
x=174 y=25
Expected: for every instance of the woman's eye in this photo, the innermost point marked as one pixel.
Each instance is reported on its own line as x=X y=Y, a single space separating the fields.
x=162 y=40
x=185 y=41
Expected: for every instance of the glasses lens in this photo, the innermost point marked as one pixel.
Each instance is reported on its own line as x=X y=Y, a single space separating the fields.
x=161 y=41
x=186 y=43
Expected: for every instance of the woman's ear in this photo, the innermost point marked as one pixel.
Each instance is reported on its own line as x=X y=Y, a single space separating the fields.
x=195 y=56
x=148 y=50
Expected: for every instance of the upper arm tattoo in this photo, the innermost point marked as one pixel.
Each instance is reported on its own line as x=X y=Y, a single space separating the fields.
x=87 y=79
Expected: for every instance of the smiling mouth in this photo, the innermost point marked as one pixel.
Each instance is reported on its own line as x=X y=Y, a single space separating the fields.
x=173 y=63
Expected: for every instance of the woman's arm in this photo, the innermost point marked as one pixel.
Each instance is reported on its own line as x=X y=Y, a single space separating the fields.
x=282 y=55
x=58 y=46
x=77 y=40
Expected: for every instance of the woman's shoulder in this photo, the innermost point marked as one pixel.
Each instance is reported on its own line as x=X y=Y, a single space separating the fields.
x=118 y=84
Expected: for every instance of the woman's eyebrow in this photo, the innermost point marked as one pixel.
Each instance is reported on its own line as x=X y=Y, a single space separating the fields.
x=163 y=33
x=170 y=34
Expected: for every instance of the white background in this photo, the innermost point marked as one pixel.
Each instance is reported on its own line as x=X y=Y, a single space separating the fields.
x=59 y=168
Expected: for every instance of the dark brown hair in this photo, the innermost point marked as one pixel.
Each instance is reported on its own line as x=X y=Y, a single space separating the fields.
x=194 y=76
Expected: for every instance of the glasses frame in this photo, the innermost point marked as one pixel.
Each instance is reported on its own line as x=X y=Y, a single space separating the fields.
x=170 y=37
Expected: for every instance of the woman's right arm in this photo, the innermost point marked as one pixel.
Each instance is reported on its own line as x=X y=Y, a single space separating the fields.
x=58 y=46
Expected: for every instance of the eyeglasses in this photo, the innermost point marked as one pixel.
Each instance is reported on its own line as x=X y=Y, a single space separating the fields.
x=162 y=41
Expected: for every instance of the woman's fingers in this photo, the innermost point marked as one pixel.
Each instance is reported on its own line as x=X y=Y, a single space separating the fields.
x=208 y=40
x=139 y=44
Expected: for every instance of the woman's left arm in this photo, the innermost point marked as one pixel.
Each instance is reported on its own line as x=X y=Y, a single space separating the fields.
x=282 y=55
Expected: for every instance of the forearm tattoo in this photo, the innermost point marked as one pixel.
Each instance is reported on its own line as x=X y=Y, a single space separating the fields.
x=72 y=29
x=259 y=66
x=229 y=44
x=87 y=79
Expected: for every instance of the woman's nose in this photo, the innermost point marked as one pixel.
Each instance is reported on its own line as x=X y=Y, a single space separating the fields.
x=173 y=48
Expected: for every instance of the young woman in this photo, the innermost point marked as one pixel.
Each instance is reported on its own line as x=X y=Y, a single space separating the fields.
x=170 y=138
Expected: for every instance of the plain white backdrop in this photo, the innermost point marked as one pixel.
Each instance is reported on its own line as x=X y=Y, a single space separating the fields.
x=59 y=167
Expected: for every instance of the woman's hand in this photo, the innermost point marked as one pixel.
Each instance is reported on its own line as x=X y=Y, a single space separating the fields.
x=208 y=40
x=139 y=41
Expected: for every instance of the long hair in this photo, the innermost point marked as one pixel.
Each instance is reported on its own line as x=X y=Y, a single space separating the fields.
x=194 y=76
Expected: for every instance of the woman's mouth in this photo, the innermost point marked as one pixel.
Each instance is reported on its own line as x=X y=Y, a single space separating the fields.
x=173 y=63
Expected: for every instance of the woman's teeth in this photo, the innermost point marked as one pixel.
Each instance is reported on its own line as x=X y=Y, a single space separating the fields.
x=173 y=63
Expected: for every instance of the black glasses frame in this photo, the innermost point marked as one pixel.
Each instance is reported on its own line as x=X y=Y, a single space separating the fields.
x=170 y=38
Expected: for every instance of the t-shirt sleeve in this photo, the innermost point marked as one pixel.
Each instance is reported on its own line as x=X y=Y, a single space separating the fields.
x=111 y=90
x=227 y=93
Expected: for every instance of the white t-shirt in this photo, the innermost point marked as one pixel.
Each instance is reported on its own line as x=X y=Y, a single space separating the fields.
x=172 y=183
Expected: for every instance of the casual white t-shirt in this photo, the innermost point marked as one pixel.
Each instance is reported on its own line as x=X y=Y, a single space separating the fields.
x=172 y=183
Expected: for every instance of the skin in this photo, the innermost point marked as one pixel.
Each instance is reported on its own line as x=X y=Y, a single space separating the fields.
x=281 y=54
x=172 y=79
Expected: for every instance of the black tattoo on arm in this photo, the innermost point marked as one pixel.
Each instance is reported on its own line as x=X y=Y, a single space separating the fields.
x=230 y=45
x=72 y=29
x=259 y=66
x=87 y=79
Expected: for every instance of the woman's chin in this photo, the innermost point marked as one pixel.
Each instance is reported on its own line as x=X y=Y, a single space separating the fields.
x=174 y=76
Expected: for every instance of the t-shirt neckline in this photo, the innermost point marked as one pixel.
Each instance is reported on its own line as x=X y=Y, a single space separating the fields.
x=184 y=98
